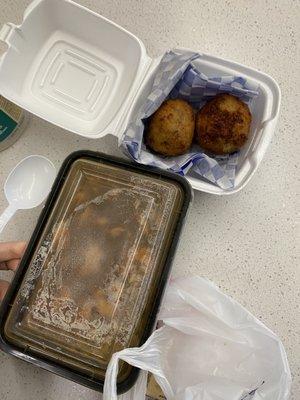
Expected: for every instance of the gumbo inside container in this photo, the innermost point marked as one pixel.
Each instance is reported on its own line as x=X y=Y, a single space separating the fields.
x=93 y=275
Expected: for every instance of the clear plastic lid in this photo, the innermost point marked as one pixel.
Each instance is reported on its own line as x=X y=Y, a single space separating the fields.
x=92 y=280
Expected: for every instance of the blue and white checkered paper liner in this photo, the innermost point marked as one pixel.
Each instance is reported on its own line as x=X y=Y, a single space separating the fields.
x=177 y=77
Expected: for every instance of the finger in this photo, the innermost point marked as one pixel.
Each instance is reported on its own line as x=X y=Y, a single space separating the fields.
x=11 y=250
x=13 y=264
x=3 y=289
x=3 y=265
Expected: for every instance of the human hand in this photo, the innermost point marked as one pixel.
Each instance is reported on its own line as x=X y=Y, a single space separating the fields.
x=10 y=257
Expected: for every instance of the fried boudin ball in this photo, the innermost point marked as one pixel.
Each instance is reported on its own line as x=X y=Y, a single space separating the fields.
x=171 y=128
x=223 y=124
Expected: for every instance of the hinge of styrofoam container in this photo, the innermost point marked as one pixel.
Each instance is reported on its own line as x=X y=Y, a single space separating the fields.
x=150 y=66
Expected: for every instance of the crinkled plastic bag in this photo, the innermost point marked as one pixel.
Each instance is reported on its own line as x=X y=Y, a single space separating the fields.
x=209 y=348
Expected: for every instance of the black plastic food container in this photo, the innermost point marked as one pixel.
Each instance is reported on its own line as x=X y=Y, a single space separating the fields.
x=94 y=272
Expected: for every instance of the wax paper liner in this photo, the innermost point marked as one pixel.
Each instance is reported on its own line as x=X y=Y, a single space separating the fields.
x=177 y=77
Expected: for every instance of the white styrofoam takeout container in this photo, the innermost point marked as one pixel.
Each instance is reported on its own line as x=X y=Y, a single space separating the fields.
x=86 y=74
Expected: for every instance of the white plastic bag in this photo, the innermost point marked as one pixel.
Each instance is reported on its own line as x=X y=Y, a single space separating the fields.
x=138 y=390
x=210 y=348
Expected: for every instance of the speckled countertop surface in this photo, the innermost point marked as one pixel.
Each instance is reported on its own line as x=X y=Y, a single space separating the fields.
x=247 y=243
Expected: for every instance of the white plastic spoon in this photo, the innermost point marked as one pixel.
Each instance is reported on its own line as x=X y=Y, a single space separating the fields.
x=27 y=185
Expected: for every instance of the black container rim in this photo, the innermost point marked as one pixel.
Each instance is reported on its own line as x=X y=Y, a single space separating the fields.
x=7 y=302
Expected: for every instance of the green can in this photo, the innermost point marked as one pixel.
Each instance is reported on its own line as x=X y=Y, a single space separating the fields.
x=12 y=123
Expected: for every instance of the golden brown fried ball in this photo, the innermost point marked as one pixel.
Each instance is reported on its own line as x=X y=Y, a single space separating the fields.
x=171 y=128
x=223 y=124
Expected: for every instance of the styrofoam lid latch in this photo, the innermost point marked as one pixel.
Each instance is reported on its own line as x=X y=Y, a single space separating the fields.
x=6 y=31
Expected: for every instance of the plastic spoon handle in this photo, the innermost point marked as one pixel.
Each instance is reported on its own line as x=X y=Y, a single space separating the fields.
x=6 y=216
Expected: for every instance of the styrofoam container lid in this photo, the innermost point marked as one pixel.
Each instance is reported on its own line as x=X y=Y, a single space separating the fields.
x=71 y=67
x=82 y=72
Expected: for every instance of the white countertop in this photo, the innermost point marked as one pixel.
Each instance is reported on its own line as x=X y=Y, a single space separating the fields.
x=245 y=243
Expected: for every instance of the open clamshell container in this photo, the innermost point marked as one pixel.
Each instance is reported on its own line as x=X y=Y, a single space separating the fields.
x=94 y=271
x=84 y=73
